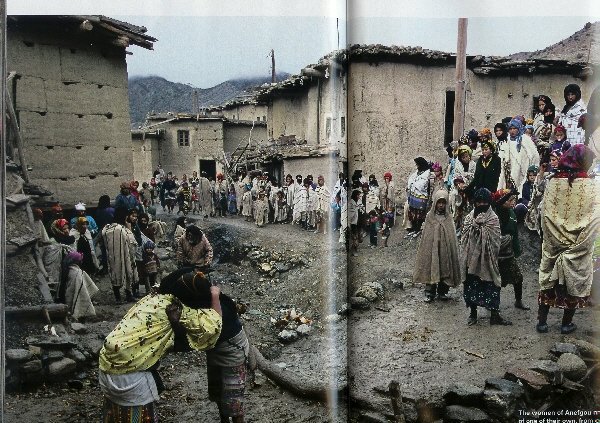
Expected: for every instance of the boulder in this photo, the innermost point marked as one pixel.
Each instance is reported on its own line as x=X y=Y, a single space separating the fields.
x=371 y=291
x=76 y=355
x=503 y=398
x=32 y=366
x=463 y=394
x=572 y=366
x=586 y=349
x=303 y=330
x=459 y=413
x=79 y=328
x=561 y=348
x=282 y=267
x=54 y=355
x=549 y=369
x=18 y=355
x=287 y=336
x=535 y=383
x=360 y=303
x=63 y=367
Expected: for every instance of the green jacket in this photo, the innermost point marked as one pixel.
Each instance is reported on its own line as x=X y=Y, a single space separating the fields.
x=508 y=226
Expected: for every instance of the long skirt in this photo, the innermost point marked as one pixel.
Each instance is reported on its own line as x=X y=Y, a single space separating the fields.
x=510 y=273
x=559 y=298
x=114 y=413
x=481 y=293
x=226 y=387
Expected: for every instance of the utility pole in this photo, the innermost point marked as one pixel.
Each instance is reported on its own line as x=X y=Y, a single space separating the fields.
x=273 y=65
x=461 y=72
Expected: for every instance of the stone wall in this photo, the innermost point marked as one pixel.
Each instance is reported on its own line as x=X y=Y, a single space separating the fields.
x=72 y=104
x=205 y=143
x=397 y=111
x=236 y=133
x=289 y=116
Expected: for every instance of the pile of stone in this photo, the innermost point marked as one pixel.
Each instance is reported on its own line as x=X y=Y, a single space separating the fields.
x=562 y=381
x=291 y=324
x=366 y=294
x=272 y=263
x=50 y=357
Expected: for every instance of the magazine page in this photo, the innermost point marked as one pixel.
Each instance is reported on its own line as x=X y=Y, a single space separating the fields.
x=460 y=165
x=174 y=205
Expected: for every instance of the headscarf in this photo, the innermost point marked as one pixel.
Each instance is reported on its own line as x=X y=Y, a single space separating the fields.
x=149 y=245
x=464 y=149
x=486 y=132
x=56 y=209
x=571 y=88
x=528 y=127
x=104 y=202
x=387 y=175
x=491 y=144
x=73 y=257
x=80 y=206
x=502 y=126
x=560 y=128
x=80 y=222
x=533 y=169
x=502 y=195
x=578 y=158
x=60 y=223
x=517 y=123
x=473 y=135
x=436 y=167
x=550 y=118
x=483 y=194
x=547 y=101
x=192 y=289
x=422 y=164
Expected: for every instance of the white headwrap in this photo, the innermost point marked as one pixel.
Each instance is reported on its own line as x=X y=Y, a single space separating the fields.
x=80 y=206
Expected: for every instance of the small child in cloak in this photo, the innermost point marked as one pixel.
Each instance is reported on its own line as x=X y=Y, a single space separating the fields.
x=374 y=227
x=261 y=209
x=437 y=264
x=151 y=265
x=232 y=201
x=384 y=223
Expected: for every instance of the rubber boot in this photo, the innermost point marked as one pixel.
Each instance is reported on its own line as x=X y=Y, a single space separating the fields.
x=496 y=319
x=542 y=326
x=472 y=316
x=117 y=292
x=442 y=291
x=567 y=322
x=519 y=297
x=128 y=297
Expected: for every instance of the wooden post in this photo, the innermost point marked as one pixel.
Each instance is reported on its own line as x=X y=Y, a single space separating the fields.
x=273 y=76
x=15 y=125
x=397 y=406
x=461 y=72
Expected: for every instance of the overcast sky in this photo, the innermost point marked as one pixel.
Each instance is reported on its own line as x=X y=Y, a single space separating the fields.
x=205 y=42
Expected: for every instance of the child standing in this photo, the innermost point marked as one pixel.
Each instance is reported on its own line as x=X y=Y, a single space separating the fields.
x=374 y=228
x=437 y=265
x=151 y=265
x=232 y=201
x=261 y=209
x=247 y=203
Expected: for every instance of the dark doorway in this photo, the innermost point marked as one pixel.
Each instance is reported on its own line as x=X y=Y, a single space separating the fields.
x=449 y=118
x=210 y=167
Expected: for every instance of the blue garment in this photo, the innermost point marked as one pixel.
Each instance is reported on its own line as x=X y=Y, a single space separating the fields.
x=561 y=146
x=128 y=202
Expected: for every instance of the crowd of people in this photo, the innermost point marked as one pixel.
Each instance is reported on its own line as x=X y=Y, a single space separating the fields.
x=466 y=214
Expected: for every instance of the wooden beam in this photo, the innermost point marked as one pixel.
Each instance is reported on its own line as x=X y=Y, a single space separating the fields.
x=13 y=120
x=461 y=71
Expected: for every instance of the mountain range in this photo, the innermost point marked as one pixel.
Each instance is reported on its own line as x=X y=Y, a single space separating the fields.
x=157 y=94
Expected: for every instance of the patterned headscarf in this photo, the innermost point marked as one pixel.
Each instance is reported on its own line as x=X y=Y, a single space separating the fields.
x=516 y=123
x=483 y=194
x=80 y=222
x=387 y=175
x=464 y=149
x=61 y=223
x=502 y=195
x=74 y=257
x=578 y=158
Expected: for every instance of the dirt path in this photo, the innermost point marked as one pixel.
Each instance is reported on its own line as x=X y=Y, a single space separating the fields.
x=421 y=345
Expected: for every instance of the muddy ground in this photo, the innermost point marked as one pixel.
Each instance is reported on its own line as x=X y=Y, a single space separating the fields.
x=424 y=346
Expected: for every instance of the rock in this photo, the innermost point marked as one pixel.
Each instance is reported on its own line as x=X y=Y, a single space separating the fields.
x=55 y=355
x=463 y=394
x=32 y=366
x=459 y=413
x=19 y=355
x=535 y=382
x=287 y=336
x=282 y=366
x=282 y=267
x=572 y=366
x=372 y=417
x=76 y=355
x=586 y=349
x=503 y=398
x=371 y=291
x=549 y=369
x=563 y=348
x=397 y=284
x=360 y=303
x=79 y=328
x=303 y=330
x=62 y=367
x=259 y=379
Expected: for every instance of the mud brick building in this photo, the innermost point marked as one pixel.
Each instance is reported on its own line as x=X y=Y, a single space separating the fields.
x=70 y=94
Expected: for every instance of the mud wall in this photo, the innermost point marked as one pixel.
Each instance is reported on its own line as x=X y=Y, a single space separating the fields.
x=289 y=116
x=205 y=143
x=328 y=166
x=146 y=153
x=249 y=112
x=235 y=133
x=72 y=103
x=397 y=111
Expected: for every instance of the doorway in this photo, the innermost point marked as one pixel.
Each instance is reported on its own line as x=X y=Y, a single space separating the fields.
x=210 y=167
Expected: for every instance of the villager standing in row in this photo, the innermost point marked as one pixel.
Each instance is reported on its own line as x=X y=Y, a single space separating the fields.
x=487 y=170
x=437 y=265
x=480 y=247
x=417 y=192
x=571 y=113
x=387 y=196
x=79 y=287
x=570 y=224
